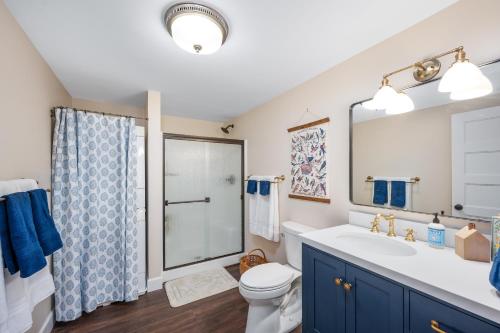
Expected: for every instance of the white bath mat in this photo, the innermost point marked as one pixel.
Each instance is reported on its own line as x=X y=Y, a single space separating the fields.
x=193 y=287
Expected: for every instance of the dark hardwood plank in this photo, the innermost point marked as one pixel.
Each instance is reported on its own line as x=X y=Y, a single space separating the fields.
x=222 y=313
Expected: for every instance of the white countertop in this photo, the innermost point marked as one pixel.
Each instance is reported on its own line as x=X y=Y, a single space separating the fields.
x=437 y=272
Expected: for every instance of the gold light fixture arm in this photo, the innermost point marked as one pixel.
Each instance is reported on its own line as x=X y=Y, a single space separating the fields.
x=386 y=76
x=427 y=68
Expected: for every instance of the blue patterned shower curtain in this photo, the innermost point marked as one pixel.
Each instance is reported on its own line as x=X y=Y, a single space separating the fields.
x=93 y=188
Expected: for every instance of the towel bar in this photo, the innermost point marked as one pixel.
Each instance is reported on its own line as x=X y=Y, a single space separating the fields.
x=278 y=179
x=413 y=180
x=207 y=200
x=46 y=190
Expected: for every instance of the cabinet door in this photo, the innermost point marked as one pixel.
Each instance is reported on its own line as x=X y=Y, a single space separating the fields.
x=373 y=304
x=323 y=302
x=425 y=313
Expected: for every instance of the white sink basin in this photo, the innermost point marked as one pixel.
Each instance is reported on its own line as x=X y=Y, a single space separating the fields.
x=379 y=244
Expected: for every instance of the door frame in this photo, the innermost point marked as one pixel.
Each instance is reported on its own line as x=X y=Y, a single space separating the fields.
x=184 y=137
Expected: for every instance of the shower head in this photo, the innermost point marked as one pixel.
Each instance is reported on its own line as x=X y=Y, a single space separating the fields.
x=226 y=129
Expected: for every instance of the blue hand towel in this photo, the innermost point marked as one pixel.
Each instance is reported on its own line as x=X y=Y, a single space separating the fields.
x=29 y=254
x=398 y=194
x=495 y=272
x=264 y=187
x=251 y=186
x=46 y=231
x=380 y=192
x=9 y=258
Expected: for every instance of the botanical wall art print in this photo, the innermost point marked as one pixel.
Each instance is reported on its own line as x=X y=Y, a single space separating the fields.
x=309 y=165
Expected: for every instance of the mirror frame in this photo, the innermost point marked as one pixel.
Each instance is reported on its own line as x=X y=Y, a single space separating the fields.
x=351 y=110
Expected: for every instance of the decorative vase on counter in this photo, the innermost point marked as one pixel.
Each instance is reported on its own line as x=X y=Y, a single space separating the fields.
x=495 y=273
x=495 y=236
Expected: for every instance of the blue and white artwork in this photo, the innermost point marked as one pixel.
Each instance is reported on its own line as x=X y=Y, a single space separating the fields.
x=309 y=163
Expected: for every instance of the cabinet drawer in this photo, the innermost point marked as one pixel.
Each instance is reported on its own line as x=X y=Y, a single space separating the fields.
x=423 y=310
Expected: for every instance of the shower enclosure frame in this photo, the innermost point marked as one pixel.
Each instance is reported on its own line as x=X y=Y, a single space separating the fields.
x=241 y=143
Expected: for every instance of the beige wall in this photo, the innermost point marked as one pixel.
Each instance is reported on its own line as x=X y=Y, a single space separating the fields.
x=28 y=90
x=472 y=23
x=155 y=189
x=178 y=125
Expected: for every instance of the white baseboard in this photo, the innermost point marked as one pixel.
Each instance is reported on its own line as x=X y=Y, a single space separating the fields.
x=48 y=324
x=155 y=283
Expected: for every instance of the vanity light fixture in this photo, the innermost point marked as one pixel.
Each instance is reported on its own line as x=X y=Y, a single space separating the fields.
x=196 y=28
x=463 y=80
x=401 y=103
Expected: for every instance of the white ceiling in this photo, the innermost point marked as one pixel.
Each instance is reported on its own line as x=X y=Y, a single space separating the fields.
x=115 y=50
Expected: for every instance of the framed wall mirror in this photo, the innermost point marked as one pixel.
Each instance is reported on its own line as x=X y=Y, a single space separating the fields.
x=442 y=157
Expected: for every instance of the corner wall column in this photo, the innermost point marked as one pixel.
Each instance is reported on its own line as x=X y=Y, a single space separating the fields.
x=155 y=191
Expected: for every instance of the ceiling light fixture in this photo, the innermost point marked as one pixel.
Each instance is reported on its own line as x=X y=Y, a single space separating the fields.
x=463 y=80
x=196 y=28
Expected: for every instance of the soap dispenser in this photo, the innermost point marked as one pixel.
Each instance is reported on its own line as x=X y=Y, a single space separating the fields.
x=435 y=233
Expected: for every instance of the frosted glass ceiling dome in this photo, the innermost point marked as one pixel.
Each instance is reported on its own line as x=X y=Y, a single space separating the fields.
x=196 y=28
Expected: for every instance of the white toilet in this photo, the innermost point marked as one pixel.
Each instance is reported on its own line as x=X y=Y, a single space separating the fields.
x=273 y=290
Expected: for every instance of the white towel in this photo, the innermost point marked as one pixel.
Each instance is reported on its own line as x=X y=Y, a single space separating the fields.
x=3 y=297
x=21 y=295
x=408 y=190
x=264 y=211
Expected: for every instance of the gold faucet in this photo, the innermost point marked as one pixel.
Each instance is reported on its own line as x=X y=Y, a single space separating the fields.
x=391 y=219
x=376 y=223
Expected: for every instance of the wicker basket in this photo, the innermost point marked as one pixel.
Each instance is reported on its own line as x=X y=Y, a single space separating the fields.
x=251 y=260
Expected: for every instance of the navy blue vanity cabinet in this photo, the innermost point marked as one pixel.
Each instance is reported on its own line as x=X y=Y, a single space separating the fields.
x=373 y=304
x=428 y=315
x=362 y=301
x=323 y=301
x=339 y=298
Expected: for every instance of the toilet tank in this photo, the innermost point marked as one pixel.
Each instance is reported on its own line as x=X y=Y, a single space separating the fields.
x=293 y=244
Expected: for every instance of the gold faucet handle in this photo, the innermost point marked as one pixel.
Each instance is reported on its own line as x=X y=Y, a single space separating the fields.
x=410 y=235
x=375 y=224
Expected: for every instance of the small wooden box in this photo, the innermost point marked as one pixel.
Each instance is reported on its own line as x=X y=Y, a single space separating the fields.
x=470 y=244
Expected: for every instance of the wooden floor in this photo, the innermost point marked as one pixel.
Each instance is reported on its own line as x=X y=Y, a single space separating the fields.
x=225 y=312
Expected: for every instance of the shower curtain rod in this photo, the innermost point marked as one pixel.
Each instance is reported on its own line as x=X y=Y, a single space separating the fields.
x=91 y=111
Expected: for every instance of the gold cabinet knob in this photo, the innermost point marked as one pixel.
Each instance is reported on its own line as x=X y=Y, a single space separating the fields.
x=435 y=327
x=338 y=281
x=347 y=286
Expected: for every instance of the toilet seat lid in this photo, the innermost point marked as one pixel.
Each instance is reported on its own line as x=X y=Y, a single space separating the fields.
x=267 y=276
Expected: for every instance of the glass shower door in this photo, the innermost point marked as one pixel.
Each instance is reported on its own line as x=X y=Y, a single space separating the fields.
x=203 y=200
